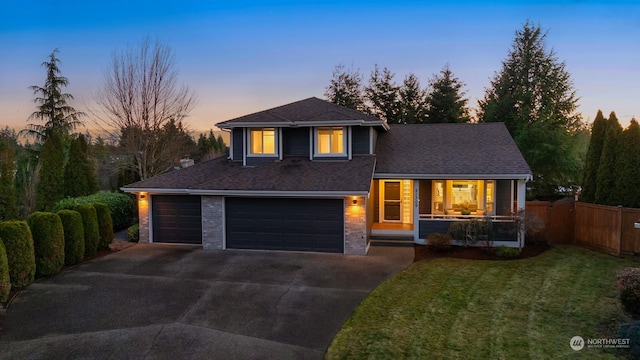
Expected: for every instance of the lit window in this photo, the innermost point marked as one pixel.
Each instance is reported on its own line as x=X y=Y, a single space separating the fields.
x=331 y=140
x=263 y=141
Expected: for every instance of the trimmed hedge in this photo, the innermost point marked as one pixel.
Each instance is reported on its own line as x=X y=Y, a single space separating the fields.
x=73 y=236
x=5 y=282
x=121 y=206
x=91 y=230
x=105 y=225
x=17 y=239
x=48 y=242
x=629 y=286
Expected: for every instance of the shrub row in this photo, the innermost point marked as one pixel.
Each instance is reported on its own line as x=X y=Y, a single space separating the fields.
x=121 y=206
x=5 y=282
x=18 y=241
x=47 y=241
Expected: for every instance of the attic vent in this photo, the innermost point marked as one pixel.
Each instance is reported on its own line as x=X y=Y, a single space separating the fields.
x=186 y=162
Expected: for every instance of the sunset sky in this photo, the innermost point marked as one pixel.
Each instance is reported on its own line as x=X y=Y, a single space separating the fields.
x=244 y=56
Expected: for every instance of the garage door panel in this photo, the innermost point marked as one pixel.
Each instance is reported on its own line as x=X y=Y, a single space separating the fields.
x=285 y=224
x=177 y=219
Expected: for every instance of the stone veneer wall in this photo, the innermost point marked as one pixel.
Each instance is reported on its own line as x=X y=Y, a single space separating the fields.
x=143 y=218
x=355 y=226
x=212 y=222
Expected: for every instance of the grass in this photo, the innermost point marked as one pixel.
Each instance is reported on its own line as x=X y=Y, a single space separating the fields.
x=518 y=309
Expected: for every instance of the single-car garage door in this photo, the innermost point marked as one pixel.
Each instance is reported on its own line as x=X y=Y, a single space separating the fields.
x=176 y=219
x=285 y=224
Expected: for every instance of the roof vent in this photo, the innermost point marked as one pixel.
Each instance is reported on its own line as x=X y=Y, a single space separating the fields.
x=185 y=163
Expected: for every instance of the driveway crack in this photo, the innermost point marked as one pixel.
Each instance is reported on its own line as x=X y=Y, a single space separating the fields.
x=153 y=343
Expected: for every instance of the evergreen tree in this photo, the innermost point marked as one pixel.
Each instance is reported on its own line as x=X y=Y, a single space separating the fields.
x=382 y=95
x=534 y=92
x=412 y=101
x=8 y=206
x=627 y=178
x=50 y=188
x=607 y=171
x=345 y=88
x=446 y=102
x=593 y=158
x=79 y=174
x=54 y=110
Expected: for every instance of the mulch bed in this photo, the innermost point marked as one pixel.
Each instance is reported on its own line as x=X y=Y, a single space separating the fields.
x=423 y=252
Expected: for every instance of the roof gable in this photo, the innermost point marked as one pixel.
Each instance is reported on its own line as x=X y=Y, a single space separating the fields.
x=307 y=112
x=462 y=150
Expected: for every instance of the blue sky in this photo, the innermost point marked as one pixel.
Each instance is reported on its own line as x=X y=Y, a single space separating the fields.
x=245 y=56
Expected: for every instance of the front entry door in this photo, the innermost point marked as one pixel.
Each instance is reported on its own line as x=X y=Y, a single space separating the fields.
x=392 y=201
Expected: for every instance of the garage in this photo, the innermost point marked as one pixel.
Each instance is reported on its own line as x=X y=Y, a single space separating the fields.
x=285 y=224
x=176 y=219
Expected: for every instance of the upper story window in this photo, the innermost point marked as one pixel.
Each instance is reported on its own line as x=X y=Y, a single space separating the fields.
x=263 y=141
x=330 y=141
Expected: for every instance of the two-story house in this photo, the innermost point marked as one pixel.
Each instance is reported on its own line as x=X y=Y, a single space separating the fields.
x=315 y=176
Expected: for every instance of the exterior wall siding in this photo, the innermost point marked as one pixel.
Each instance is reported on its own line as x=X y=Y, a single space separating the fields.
x=236 y=133
x=360 y=137
x=212 y=222
x=355 y=226
x=295 y=141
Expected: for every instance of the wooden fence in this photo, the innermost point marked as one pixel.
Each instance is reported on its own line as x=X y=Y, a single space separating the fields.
x=608 y=229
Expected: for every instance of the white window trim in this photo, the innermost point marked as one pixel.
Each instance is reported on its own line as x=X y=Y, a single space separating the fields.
x=345 y=135
x=276 y=146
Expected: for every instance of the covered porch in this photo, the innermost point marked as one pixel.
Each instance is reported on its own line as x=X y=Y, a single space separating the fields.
x=411 y=209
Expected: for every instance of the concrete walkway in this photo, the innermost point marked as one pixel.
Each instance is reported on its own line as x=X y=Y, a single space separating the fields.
x=177 y=302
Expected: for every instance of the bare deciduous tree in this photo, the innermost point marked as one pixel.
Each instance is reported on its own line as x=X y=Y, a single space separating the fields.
x=139 y=96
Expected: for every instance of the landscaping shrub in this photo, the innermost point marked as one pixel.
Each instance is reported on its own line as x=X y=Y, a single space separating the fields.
x=105 y=225
x=471 y=231
x=73 y=236
x=507 y=252
x=439 y=242
x=5 y=281
x=48 y=242
x=91 y=229
x=631 y=331
x=121 y=206
x=134 y=233
x=18 y=243
x=629 y=286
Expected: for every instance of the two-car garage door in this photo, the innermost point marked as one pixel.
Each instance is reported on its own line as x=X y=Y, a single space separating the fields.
x=285 y=224
x=255 y=223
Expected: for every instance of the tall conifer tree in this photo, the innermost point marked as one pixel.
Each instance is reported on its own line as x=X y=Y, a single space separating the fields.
x=607 y=171
x=589 y=179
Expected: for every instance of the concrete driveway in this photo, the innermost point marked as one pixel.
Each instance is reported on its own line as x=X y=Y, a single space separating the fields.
x=177 y=302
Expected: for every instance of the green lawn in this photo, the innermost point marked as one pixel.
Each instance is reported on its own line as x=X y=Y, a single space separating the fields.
x=519 y=309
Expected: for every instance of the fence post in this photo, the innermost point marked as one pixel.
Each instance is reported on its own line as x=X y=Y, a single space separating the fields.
x=618 y=233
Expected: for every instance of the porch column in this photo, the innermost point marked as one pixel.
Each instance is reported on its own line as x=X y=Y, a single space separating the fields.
x=522 y=194
x=416 y=212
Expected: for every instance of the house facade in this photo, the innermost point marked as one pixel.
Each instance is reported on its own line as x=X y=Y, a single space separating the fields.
x=315 y=176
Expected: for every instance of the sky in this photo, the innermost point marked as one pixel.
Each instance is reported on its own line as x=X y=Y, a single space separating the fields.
x=240 y=57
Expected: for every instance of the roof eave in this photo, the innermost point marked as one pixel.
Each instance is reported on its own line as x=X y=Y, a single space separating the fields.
x=245 y=124
x=526 y=177
x=252 y=193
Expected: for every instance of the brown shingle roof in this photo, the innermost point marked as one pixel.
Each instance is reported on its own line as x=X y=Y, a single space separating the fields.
x=290 y=174
x=449 y=149
x=307 y=110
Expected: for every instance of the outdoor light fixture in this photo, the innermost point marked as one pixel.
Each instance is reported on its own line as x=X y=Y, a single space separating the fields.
x=355 y=201
x=143 y=196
